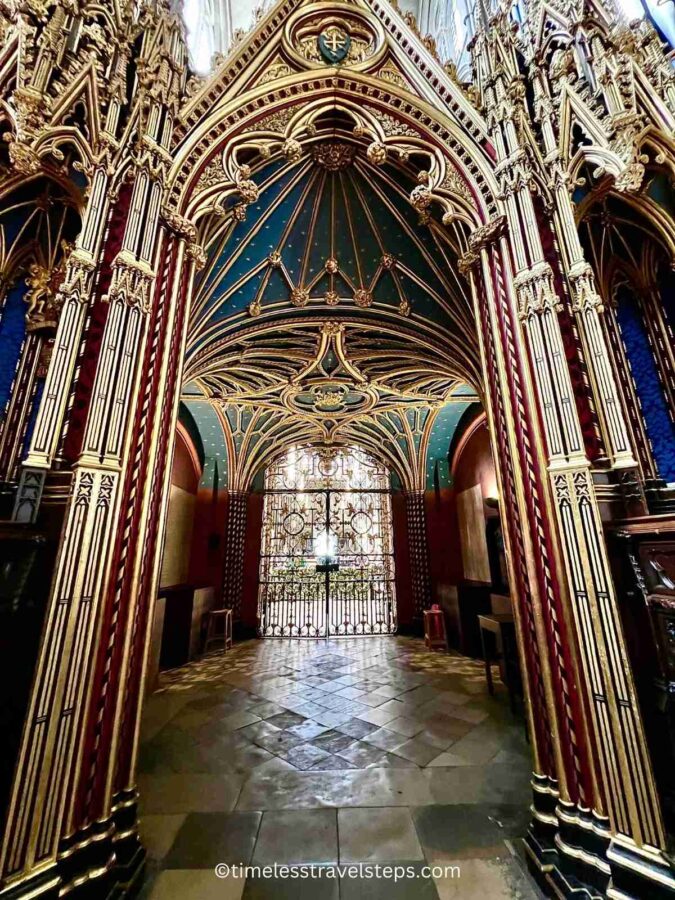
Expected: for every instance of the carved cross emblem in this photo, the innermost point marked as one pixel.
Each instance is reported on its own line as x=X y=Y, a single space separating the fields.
x=334 y=44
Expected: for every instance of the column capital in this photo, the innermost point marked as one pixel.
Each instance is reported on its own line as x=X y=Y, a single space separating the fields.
x=582 y=282
x=486 y=234
x=535 y=291
x=180 y=225
x=131 y=282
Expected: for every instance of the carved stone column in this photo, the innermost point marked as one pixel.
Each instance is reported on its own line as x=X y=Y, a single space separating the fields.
x=586 y=304
x=418 y=548
x=609 y=828
x=563 y=776
x=39 y=813
x=75 y=297
x=106 y=775
x=75 y=716
x=235 y=546
x=71 y=823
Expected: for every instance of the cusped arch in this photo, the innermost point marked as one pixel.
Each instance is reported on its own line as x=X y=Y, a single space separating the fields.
x=272 y=106
x=433 y=347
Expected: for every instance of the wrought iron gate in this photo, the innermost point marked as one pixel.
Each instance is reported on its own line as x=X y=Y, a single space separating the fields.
x=327 y=565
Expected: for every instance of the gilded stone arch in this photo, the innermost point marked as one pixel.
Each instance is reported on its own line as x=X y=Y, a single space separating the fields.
x=215 y=170
x=195 y=160
x=222 y=184
x=293 y=96
x=380 y=137
x=284 y=119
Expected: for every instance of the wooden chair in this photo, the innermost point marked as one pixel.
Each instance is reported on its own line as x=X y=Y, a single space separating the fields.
x=215 y=633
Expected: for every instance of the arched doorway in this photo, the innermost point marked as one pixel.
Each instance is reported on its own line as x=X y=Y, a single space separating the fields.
x=327 y=555
x=446 y=164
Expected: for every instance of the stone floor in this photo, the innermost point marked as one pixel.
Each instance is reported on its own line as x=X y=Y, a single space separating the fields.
x=370 y=750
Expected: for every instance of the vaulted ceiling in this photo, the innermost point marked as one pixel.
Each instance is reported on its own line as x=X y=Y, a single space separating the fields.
x=333 y=303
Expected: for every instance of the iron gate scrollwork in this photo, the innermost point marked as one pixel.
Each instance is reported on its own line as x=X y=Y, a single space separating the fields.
x=327 y=564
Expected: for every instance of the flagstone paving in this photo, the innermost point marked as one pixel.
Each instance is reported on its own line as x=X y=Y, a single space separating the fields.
x=353 y=750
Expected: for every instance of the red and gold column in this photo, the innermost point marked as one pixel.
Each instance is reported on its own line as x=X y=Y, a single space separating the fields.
x=72 y=813
x=605 y=825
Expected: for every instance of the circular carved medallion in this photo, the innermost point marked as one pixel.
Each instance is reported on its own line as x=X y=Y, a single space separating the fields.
x=342 y=36
x=327 y=465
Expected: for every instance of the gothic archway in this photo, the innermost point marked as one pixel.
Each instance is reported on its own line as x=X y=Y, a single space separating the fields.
x=596 y=814
x=629 y=243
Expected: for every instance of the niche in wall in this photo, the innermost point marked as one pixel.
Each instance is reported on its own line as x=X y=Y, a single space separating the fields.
x=471 y=516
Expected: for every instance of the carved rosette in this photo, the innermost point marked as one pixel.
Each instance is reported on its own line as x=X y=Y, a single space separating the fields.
x=377 y=153
x=421 y=198
x=334 y=155
x=292 y=149
x=363 y=298
x=299 y=296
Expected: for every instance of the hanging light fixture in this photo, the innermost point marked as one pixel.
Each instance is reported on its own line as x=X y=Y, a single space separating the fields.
x=325 y=547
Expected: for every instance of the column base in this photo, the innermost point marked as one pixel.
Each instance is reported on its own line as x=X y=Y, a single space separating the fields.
x=639 y=872
x=566 y=847
x=553 y=873
x=539 y=843
x=582 y=841
x=583 y=861
x=104 y=861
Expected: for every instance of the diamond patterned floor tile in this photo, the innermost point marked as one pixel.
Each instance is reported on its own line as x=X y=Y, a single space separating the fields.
x=333 y=740
x=357 y=728
x=304 y=756
x=417 y=751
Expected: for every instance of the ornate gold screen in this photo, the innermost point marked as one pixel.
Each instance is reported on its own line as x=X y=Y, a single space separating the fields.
x=327 y=564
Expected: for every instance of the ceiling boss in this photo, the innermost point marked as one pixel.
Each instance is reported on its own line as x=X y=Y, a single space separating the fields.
x=334 y=43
